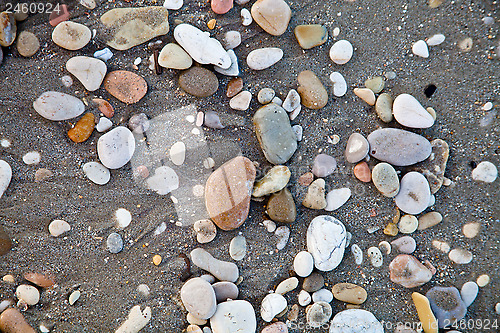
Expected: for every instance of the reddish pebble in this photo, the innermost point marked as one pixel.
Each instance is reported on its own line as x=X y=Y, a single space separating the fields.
x=59 y=15
x=126 y=86
x=104 y=106
x=221 y=6
x=12 y=321
x=39 y=279
x=362 y=172
x=277 y=327
x=306 y=179
x=83 y=128
x=142 y=171
x=234 y=87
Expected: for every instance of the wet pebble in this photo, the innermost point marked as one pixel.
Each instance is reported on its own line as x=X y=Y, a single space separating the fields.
x=263 y=58
x=420 y=49
x=199 y=298
x=311 y=90
x=485 y=172
x=27 y=44
x=71 y=35
x=222 y=270
x=115 y=148
x=126 y=86
x=362 y=172
x=238 y=248
x=407 y=271
x=58 y=227
x=58 y=106
x=114 y=243
x=326 y=239
x=341 y=52
x=460 y=256
x=104 y=107
x=303 y=264
x=8 y=29
x=272 y=15
x=405 y=244
x=383 y=107
x=310 y=35
x=272 y=305
x=234 y=87
x=355 y=320
x=429 y=220
x=337 y=198
x=173 y=56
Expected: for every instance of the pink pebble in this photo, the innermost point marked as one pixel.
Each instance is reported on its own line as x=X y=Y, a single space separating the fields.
x=221 y=6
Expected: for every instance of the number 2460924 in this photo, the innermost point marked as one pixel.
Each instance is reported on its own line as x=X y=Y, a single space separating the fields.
x=32 y=8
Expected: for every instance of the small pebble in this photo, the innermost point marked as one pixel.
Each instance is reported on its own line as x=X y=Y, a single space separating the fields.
x=157 y=259
x=270 y=225
x=376 y=258
x=408 y=224
x=287 y=285
x=324 y=165
x=246 y=17
x=283 y=234
x=263 y=58
x=313 y=282
x=232 y=39
x=441 y=246
x=27 y=44
x=272 y=305
x=485 y=172
x=58 y=227
x=32 y=157
x=469 y=292
x=103 y=125
x=241 y=101
x=357 y=253
x=385 y=247
x=75 y=295
x=114 y=243
x=71 y=35
x=292 y=101
x=375 y=84
x=339 y=84
x=405 y=244
x=322 y=295
x=366 y=95
x=27 y=294
x=465 y=44
x=318 y=314
x=420 y=49
x=205 y=231
x=362 y=172
x=303 y=264
x=337 y=198
x=471 y=230
x=435 y=39
x=144 y=290
x=483 y=280
x=315 y=196
x=97 y=173
x=383 y=107
x=304 y=298
x=460 y=256
x=298 y=131
x=349 y=293
x=104 y=54
x=265 y=95
x=341 y=52
x=173 y=4
x=238 y=248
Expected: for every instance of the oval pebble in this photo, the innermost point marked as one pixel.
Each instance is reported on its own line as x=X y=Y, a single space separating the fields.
x=376 y=258
x=357 y=253
x=385 y=246
x=435 y=39
x=103 y=125
x=460 y=256
x=178 y=153
x=349 y=293
x=238 y=248
x=283 y=234
x=469 y=292
x=287 y=285
x=483 y=280
x=58 y=227
x=224 y=290
x=28 y=294
x=324 y=165
x=115 y=148
x=126 y=86
x=27 y=44
x=385 y=179
x=339 y=84
x=322 y=295
x=318 y=314
x=199 y=82
x=75 y=296
x=199 y=298
x=337 y=198
x=341 y=52
x=383 y=107
x=114 y=243
x=58 y=106
x=71 y=35
x=263 y=58
x=303 y=264
x=355 y=321
x=485 y=172
x=414 y=194
x=304 y=298
x=272 y=305
x=408 y=224
x=278 y=327
x=265 y=95
x=205 y=231
x=405 y=244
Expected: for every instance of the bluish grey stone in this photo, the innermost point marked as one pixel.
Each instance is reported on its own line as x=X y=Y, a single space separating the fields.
x=469 y=292
x=114 y=243
x=447 y=305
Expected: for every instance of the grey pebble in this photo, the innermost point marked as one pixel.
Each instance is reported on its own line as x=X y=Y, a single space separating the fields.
x=114 y=243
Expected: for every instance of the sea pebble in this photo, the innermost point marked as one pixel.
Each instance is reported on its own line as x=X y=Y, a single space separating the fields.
x=414 y=194
x=89 y=71
x=341 y=52
x=115 y=148
x=232 y=39
x=322 y=295
x=246 y=17
x=357 y=148
x=281 y=207
x=407 y=271
x=5 y=304
x=408 y=224
x=263 y=58
x=420 y=49
x=434 y=167
x=483 y=280
x=375 y=84
x=5 y=176
x=408 y=111
x=446 y=304
x=425 y=315
x=385 y=247
x=385 y=179
x=303 y=264
x=173 y=4
x=32 y=157
x=233 y=70
x=299 y=130
x=471 y=230
x=277 y=327
x=311 y=90
x=89 y=4
x=287 y=285
x=238 y=248
x=221 y=6
x=265 y=95
x=222 y=270
x=339 y=84
x=366 y=95
x=326 y=239
x=355 y=321
x=362 y=172
x=318 y=314
x=465 y=44
x=104 y=107
x=27 y=44
x=485 y=172
x=103 y=125
x=435 y=39
x=469 y=292
x=310 y=35
x=324 y=165
x=178 y=153
x=276 y=100
x=241 y=101
x=8 y=29
x=164 y=181
x=429 y=220
x=212 y=120
x=58 y=227
x=58 y=106
x=292 y=101
x=376 y=257
x=193 y=329
x=225 y=290
x=126 y=86
x=315 y=196
x=198 y=298
x=349 y=293
x=441 y=246
x=272 y=305
x=313 y=282
x=114 y=243
x=294 y=114
x=274 y=180
x=136 y=320
x=73 y=297
x=173 y=56
x=123 y=218
x=195 y=321
x=405 y=244
x=337 y=198
x=270 y=225
x=12 y=321
x=272 y=15
x=234 y=87
x=199 y=82
x=357 y=253
x=282 y=234
x=27 y=294
x=139 y=123
x=304 y=298
x=67 y=81
x=104 y=54
x=234 y=316
x=383 y=107
x=200 y=46
x=460 y=256
x=83 y=128
x=71 y=35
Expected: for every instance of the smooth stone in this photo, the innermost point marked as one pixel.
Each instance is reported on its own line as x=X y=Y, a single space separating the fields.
x=322 y=295
x=375 y=255
x=483 y=280
x=398 y=147
x=228 y=191
x=383 y=107
x=414 y=194
x=299 y=130
x=212 y=120
x=114 y=243
x=193 y=329
x=405 y=244
x=460 y=256
x=357 y=253
x=318 y=314
x=222 y=270
x=349 y=293
x=246 y=17
x=27 y=294
x=234 y=316
x=385 y=179
x=89 y=71
x=407 y=224
x=104 y=107
x=447 y=305
x=292 y=101
x=129 y=27
x=324 y=165
x=337 y=198
x=274 y=181
x=177 y=153
x=221 y=6
x=224 y=290
x=232 y=39
x=103 y=125
x=375 y=84
x=89 y=4
x=362 y=172
x=310 y=35
x=274 y=133
x=234 y=69
x=173 y=56
x=71 y=35
x=326 y=240
x=408 y=111
x=104 y=54
x=277 y=327
x=173 y=4
x=199 y=298
x=115 y=148
x=238 y=248
x=270 y=225
x=263 y=58
x=435 y=39
x=312 y=92
x=6 y=176
x=199 y=82
x=265 y=95
x=27 y=44
x=357 y=148
x=304 y=298
x=73 y=297
x=424 y=311
x=205 y=231
x=234 y=87
x=287 y=285
x=315 y=196
x=83 y=128
x=434 y=167
x=469 y=292
x=407 y=271
x=12 y=321
x=281 y=207
x=126 y=86
x=485 y=172
x=341 y=52
x=136 y=320
x=339 y=84
x=58 y=227
x=42 y=174
x=241 y=101
x=282 y=234
x=272 y=305
x=355 y=321
x=429 y=220
x=313 y=282
x=471 y=230
x=8 y=29
x=303 y=264
x=366 y=95
x=201 y=47
x=272 y=15
x=420 y=49
x=306 y=179
x=194 y=321
x=164 y=180
x=97 y=173
x=32 y=157
x=58 y=106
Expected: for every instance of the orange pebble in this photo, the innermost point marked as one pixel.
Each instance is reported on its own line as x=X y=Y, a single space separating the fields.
x=104 y=106
x=362 y=172
x=83 y=128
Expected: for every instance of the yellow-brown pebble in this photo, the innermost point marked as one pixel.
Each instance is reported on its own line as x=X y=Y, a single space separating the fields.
x=211 y=24
x=427 y=318
x=156 y=259
x=83 y=128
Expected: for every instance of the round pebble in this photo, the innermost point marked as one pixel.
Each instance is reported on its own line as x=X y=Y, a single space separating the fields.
x=483 y=280
x=313 y=282
x=385 y=179
x=205 y=231
x=103 y=125
x=460 y=256
x=265 y=95
x=405 y=244
x=304 y=298
x=97 y=173
x=225 y=290
x=341 y=52
x=71 y=35
x=238 y=248
x=232 y=39
x=349 y=293
x=28 y=294
x=32 y=157
x=318 y=314
x=272 y=305
x=357 y=148
x=27 y=44
x=58 y=227
x=126 y=86
x=114 y=243
x=485 y=172
x=287 y=285
x=322 y=295
x=115 y=148
x=362 y=172
x=199 y=82
x=420 y=49
x=123 y=218
x=376 y=258
x=471 y=230
x=324 y=165
x=408 y=224
x=339 y=84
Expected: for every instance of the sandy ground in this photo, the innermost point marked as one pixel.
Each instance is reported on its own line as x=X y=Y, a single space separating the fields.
x=382 y=33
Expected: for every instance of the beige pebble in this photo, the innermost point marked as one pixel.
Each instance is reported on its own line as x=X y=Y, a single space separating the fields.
x=408 y=224
x=427 y=318
x=157 y=259
x=366 y=95
x=429 y=220
x=472 y=229
x=441 y=246
x=8 y=278
x=483 y=280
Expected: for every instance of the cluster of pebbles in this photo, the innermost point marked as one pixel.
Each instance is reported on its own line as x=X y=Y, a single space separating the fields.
x=401 y=164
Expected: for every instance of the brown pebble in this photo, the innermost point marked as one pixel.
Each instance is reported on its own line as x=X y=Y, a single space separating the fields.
x=312 y=92
x=5 y=242
x=306 y=179
x=362 y=172
x=211 y=24
x=349 y=293
x=199 y=82
x=281 y=207
x=391 y=229
x=83 y=128
x=43 y=174
x=39 y=279
x=126 y=86
x=12 y=321
x=157 y=259
x=234 y=87
x=104 y=107
x=27 y=44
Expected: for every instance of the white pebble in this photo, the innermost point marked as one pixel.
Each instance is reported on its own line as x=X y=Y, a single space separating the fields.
x=173 y=4
x=357 y=253
x=441 y=246
x=58 y=227
x=123 y=218
x=483 y=280
x=337 y=198
x=341 y=52
x=294 y=114
x=33 y=157
x=270 y=225
x=282 y=233
x=263 y=58
x=408 y=224
x=485 y=172
x=232 y=39
x=143 y=289
x=241 y=101
x=104 y=54
x=103 y=125
x=28 y=294
x=436 y=39
x=246 y=17
x=137 y=61
x=497 y=308
x=460 y=256
x=292 y=101
x=304 y=298
x=89 y=4
x=339 y=84
x=97 y=173
x=67 y=81
x=322 y=295
x=5 y=304
x=303 y=264
x=276 y=100
x=420 y=49
x=5 y=143
x=287 y=285
x=375 y=256
x=487 y=106
x=75 y=295
x=136 y=320
x=336 y=31
x=178 y=153
x=238 y=248
x=471 y=230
